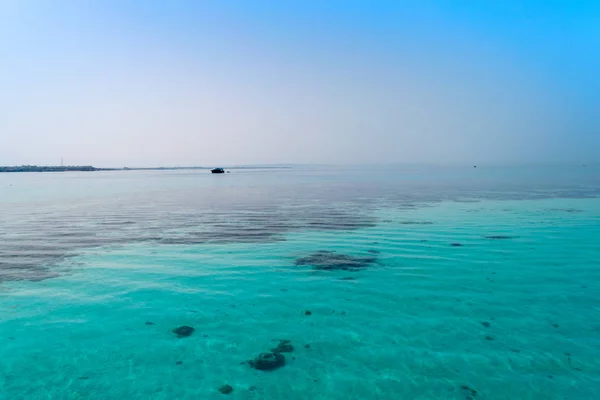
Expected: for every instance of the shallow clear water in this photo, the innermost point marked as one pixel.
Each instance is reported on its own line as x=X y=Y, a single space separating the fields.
x=97 y=269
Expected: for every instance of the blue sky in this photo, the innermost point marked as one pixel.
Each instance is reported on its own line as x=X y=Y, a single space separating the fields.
x=115 y=83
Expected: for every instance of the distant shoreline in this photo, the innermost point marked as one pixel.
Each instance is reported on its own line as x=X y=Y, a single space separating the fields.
x=46 y=168
x=89 y=168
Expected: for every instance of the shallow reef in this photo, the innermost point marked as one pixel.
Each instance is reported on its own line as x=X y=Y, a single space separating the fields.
x=226 y=389
x=284 y=346
x=268 y=361
x=469 y=392
x=183 y=331
x=331 y=261
x=567 y=210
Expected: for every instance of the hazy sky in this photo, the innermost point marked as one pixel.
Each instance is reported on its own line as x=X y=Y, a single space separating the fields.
x=145 y=83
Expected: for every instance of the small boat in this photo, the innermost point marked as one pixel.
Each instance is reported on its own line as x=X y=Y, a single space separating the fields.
x=217 y=171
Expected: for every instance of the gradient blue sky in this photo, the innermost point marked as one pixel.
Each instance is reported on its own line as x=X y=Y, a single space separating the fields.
x=138 y=83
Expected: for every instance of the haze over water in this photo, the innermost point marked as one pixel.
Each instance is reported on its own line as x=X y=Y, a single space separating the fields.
x=184 y=83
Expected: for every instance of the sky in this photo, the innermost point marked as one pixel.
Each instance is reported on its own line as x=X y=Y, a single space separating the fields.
x=115 y=83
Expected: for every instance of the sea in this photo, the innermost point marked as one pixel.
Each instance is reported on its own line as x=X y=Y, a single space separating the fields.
x=321 y=282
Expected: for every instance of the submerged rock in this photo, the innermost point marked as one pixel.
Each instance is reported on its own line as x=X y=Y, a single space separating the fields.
x=183 y=331
x=469 y=392
x=567 y=210
x=226 y=389
x=268 y=361
x=330 y=260
x=284 y=346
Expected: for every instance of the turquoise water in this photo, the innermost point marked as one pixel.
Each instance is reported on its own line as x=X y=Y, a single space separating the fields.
x=474 y=283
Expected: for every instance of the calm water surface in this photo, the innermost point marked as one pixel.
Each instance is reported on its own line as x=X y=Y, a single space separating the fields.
x=389 y=282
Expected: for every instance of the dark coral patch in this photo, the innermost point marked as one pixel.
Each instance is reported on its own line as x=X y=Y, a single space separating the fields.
x=226 y=389
x=469 y=391
x=330 y=261
x=284 y=346
x=268 y=361
x=183 y=331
